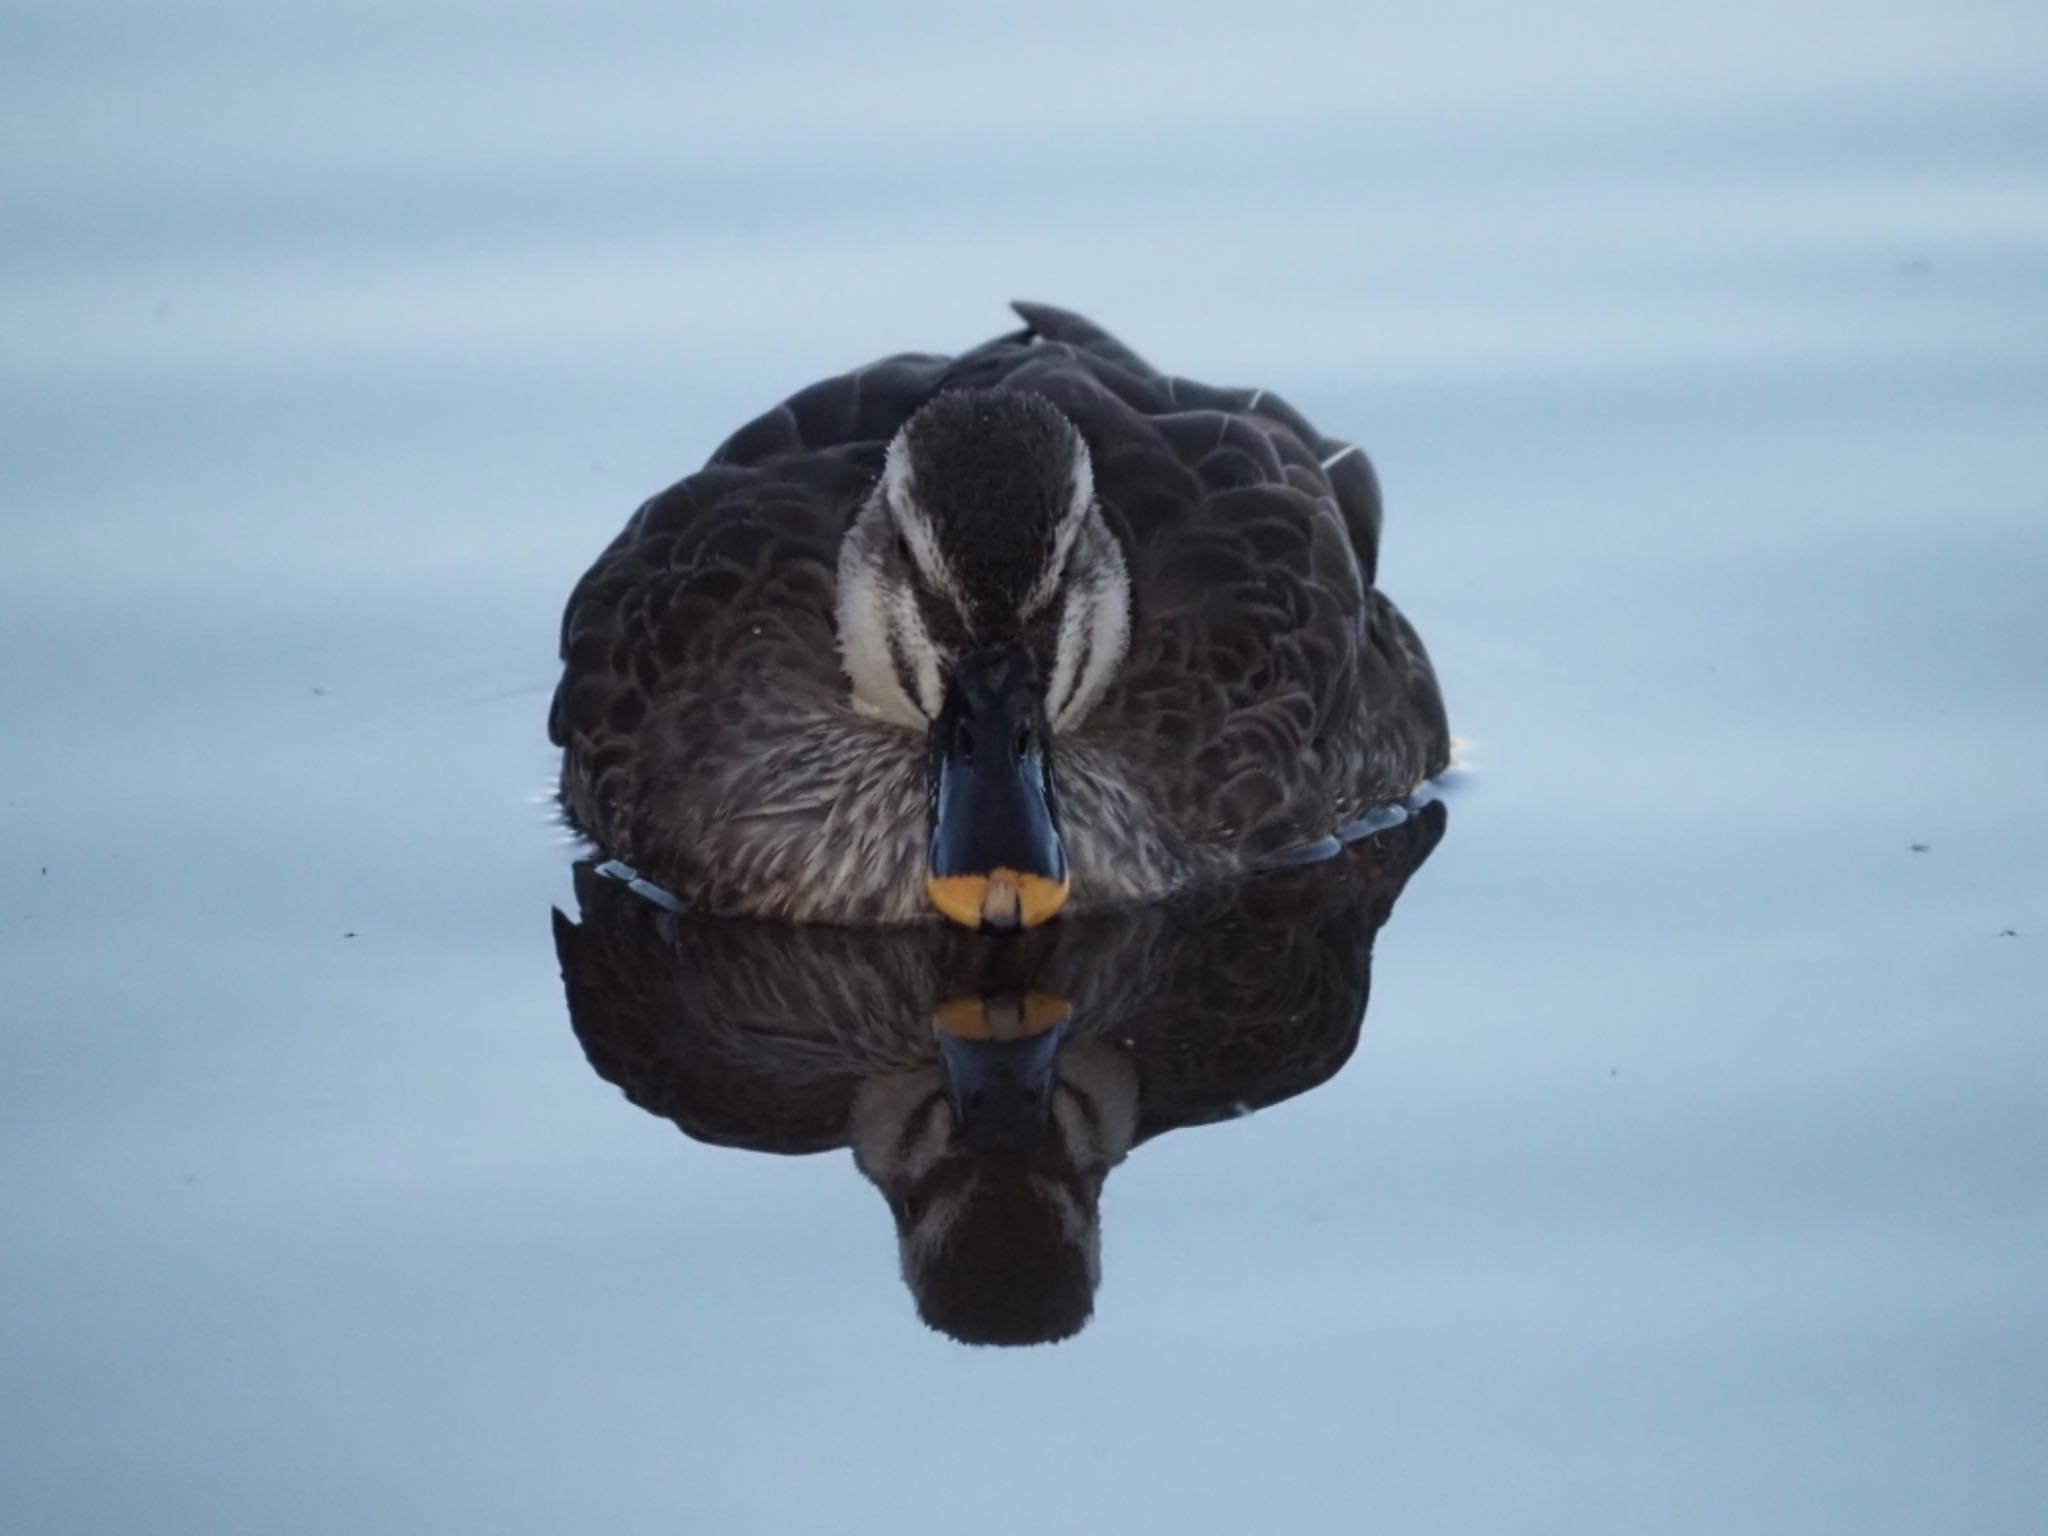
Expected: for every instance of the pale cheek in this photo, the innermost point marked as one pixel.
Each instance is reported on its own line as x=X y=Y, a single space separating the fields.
x=867 y=618
x=1064 y=691
x=1112 y=633
x=883 y=1109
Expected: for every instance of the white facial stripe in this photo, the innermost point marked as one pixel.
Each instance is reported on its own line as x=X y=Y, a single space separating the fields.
x=1095 y=629
x=1067 y=651
x=1080 y=498
x=899 y=479
x=899 y=494
x=1081 y=476
x=878 y=618
x=1111 y=632
x=915 y=642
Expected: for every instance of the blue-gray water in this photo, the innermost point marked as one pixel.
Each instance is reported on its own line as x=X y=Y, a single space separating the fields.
x=1688 y=1176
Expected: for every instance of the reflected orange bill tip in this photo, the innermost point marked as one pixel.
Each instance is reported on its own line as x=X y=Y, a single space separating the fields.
x=972 y=1018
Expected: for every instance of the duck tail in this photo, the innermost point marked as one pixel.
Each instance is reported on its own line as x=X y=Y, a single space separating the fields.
x=1063 y=325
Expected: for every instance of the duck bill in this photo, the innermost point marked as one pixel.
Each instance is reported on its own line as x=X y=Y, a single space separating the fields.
x=1000 y=1056
x=996 y=857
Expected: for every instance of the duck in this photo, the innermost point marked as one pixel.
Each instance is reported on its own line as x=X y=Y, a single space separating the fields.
x=987 y=637
x=986 y=1089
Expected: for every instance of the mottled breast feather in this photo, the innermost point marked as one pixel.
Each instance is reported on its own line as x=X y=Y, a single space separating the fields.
x=1269 y=696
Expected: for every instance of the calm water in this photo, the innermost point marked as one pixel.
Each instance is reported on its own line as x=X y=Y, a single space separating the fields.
x=1687 y=1174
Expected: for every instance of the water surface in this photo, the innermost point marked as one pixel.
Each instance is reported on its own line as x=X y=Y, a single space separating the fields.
x=1685 y=1174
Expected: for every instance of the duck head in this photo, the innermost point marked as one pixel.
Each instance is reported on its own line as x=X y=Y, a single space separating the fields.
x=984 y=601
x=993 y=1160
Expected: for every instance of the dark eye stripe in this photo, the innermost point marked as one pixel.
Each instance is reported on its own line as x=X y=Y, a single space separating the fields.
x=915 y=1123
x=899 y=663
x=1085 y=1103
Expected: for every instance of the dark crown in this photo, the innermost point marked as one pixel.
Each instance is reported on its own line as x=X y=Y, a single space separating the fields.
x=994 y=472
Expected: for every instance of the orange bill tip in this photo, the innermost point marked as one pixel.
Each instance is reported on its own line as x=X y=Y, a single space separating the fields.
x=1001 y=899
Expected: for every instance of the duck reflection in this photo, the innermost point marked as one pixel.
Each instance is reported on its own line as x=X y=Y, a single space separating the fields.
x=986 y=1086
